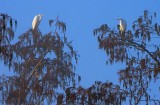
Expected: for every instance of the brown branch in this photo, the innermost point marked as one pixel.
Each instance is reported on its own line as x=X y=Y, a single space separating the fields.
x=147 y=51
x=154 y=100
x=14 y=49
x=37 y=66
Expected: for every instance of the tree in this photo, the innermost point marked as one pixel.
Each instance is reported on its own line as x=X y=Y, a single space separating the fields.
x=142 y=66
x=99 y=93
x=42 y=63
x=139 y=50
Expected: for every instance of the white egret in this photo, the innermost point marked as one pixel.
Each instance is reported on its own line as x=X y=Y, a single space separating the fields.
x=122 y=25
x=36 y=21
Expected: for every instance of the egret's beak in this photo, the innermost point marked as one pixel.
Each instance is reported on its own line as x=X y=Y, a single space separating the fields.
x=119 y=19
x=41 y=14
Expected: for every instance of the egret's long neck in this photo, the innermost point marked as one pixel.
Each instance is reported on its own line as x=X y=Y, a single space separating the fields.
x=120 y=21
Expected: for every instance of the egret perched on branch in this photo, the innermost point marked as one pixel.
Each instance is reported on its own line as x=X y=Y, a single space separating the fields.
x=122 y=25
x=36 y=21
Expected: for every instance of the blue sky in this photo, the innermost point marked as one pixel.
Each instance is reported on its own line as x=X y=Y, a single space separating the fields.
x=81 y=17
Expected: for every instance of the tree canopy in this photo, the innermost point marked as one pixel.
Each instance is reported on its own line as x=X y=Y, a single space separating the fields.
x=143 y=65
x=45 y=63
x=138 y=49
x=41 y=64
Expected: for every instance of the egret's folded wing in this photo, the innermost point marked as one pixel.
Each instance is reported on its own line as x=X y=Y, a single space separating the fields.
x=34 y=22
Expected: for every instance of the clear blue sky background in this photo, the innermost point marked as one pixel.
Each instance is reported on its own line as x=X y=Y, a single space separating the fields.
x=81 y=17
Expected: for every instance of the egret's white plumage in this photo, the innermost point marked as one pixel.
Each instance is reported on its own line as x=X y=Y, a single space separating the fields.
x=122 y=25
x=36 y=21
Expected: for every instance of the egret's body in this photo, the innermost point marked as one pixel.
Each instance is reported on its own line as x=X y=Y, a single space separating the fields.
x=122 y=25
x=36 y=21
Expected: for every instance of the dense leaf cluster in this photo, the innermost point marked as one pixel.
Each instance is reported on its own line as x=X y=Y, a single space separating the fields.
x=6 y=35
x=42 y=64
x=143 y=65
x=138 y=49
x=99 y=93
